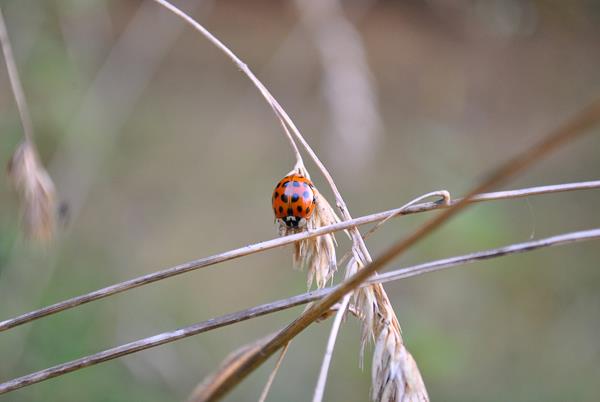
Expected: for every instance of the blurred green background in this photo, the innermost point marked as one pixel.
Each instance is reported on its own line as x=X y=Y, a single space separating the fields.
x=165 y=153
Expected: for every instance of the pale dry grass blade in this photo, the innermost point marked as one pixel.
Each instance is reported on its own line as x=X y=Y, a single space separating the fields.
x=328 y=355
x=282 y=116
x=15 y=81
x=267 y=388
x=269 y=308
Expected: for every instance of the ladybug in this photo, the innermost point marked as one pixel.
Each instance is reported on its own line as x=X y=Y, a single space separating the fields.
x=294 y=200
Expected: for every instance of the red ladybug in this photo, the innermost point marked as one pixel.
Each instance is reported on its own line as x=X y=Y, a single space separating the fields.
x=294 y=200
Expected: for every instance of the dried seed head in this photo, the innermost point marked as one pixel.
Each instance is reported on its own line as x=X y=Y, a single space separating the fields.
x=395 y=375
x=317 y=254
x=322 y=262
x=36 y=192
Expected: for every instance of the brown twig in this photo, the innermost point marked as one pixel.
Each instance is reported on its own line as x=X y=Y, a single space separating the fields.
x=274 y=243
x=279 y=305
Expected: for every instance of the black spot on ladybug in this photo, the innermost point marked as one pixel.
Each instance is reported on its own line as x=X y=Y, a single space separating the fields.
x=305 y=195
x=284 y=198
x=280 y=209
x=276 y=194
x=296 y=184
x=289 y=211
x=295 y=197
x=307 y=210
x=299 y=209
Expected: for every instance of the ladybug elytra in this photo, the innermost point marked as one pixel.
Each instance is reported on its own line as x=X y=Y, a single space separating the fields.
x=294 y=200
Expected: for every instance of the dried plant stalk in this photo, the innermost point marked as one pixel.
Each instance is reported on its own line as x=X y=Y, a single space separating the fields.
x=267 y=388
x=318 y=253
x=36 y=191
x=395 y=374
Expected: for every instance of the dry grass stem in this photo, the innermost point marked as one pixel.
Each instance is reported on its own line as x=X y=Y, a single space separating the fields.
x=279 y=305
x=15 y=82
x=267 y=388
x=335 y=327
x=273 y=243
x=282 y=116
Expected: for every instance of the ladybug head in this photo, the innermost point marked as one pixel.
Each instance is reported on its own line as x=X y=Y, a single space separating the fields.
x=294 y=222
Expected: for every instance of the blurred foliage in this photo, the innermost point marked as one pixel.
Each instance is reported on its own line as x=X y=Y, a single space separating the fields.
x=461 y=86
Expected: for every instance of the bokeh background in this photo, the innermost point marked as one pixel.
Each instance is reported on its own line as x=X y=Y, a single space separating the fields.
x=165 y=153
